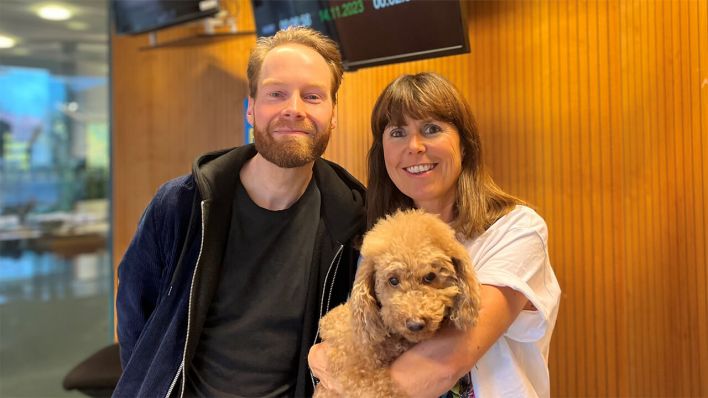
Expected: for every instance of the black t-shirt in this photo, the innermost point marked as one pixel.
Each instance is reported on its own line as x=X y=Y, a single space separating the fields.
x=250 y=343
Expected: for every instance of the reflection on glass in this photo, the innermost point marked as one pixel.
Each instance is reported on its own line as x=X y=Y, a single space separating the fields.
x=56 y=282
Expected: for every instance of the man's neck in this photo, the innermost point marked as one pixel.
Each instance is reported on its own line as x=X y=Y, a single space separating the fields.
x=272 y=187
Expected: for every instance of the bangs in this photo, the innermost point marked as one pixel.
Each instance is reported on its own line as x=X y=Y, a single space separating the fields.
x=416 y=98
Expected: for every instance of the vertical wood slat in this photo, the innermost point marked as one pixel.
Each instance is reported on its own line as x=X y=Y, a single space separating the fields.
x=680 y=180
x=629 y=200
x=619 y=254
x=676 y=282
x=603 y=279
x=594 y=111
x=650 y=75
x=701 y=12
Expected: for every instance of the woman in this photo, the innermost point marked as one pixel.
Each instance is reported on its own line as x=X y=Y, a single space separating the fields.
x=427 y=154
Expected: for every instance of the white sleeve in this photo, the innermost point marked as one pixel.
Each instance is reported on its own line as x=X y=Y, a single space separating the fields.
x=513 y=253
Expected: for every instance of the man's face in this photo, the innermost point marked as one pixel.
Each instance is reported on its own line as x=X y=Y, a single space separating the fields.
x=293 y=112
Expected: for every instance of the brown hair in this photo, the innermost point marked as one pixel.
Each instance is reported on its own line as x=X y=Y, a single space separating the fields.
x=479 y=201
x=313 y=39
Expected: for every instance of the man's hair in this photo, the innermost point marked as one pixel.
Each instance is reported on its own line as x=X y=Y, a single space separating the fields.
x=479 y=201
x=307 y=37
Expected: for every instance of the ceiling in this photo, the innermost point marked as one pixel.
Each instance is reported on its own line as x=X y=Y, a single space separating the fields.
x=78 y=45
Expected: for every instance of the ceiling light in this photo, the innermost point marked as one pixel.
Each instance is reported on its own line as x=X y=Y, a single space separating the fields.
x=20 y=51
x=77 y=25
x=54 y=12
x=7 y=41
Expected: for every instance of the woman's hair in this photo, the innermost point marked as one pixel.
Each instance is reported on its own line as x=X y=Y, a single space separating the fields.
x=479 y=201
x=307 y=37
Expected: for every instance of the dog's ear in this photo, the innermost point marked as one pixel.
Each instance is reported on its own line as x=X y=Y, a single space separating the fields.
x=366 y=318
x=466 y=307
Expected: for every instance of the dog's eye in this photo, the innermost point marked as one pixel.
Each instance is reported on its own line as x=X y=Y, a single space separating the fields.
x=429 y=278
x=393 y=281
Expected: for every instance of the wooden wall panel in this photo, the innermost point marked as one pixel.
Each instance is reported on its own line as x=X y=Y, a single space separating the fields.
x=171 y=104
x=596 y=112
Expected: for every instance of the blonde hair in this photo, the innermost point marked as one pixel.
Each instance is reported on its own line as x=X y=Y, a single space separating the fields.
x=308 y=37
x=479 y=201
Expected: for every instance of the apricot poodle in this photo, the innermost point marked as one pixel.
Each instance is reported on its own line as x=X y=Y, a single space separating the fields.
x=414 y=278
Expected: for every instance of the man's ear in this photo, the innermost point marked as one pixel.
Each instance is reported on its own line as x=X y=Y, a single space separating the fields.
x=249 y=110
x=334 y=117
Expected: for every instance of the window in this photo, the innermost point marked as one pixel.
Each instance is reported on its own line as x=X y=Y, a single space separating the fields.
x=56 y=283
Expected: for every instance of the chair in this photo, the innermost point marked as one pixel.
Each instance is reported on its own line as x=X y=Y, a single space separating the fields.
x=97 y=375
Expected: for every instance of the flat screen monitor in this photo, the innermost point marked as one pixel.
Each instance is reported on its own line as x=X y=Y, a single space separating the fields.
x=374 y=32
x=139 y=16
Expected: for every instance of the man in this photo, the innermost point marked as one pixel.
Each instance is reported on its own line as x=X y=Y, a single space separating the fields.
x=231 y=267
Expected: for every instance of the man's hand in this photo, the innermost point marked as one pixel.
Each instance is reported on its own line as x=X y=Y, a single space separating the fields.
x=317 y=359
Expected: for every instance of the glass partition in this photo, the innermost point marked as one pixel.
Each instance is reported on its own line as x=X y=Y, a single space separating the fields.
x=56 y=283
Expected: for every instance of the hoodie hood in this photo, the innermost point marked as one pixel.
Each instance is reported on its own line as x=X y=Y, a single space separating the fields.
x=217 y=173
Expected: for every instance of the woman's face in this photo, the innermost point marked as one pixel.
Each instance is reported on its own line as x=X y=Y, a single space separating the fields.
x=424 y=160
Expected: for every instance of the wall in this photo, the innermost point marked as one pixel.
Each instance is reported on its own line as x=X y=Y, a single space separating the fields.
x=595 y=112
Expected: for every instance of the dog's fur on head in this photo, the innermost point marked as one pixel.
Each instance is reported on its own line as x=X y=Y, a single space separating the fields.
x=414 y=277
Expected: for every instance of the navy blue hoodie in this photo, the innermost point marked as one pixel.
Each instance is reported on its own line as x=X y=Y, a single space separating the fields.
x=171 y=269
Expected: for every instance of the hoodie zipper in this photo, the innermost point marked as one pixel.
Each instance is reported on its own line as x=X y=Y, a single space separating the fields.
x=181 y=369
x=323 y=309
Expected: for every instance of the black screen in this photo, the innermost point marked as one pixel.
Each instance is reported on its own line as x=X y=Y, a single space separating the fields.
x=374 y=32
x=138 y=16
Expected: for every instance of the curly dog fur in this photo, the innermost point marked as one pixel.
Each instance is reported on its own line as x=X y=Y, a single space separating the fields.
x=414 y=278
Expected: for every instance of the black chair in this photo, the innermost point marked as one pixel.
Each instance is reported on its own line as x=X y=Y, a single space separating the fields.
x=97 y=375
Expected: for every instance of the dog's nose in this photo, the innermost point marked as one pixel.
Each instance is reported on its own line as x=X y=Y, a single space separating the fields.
x=415 y=325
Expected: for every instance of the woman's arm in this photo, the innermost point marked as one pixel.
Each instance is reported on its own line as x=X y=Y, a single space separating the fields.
x=432 y=367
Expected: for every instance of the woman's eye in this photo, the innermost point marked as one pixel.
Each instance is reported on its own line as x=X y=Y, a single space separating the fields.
x=393 y=281
x=430 y=129
x=397 y=132
x=429 y=278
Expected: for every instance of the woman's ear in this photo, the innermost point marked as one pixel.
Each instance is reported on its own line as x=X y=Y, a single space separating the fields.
x=366 y=318
x=466 y=307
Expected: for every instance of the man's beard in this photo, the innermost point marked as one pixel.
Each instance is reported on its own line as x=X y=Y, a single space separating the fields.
x=289 y=152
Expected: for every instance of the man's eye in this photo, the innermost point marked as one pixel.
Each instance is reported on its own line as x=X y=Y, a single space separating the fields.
x=313 y=97
x=429 y=278
x=393 y=281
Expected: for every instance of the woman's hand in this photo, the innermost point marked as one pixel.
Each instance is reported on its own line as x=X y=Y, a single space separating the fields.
x=317 y=359
x=432 y=367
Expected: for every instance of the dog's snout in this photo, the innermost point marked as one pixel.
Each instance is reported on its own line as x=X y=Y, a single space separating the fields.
x=415 y=325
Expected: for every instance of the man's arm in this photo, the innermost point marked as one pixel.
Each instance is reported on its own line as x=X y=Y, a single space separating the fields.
x=139 y=275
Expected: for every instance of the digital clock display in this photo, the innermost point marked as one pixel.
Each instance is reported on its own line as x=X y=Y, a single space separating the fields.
x=341 y=10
